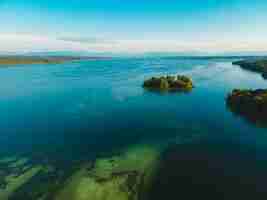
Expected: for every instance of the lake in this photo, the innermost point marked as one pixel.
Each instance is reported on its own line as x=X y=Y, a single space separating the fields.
x=67 y=114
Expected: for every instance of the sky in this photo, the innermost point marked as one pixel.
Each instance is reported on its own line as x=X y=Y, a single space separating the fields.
x=127 y=26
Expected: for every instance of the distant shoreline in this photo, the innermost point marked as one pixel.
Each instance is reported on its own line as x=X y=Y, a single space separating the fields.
x=16 y=60
x=256 y=65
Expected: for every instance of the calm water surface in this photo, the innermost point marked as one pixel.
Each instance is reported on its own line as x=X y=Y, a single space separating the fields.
x=90 y=108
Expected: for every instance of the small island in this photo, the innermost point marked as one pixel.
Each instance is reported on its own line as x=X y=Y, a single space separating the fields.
x=256 y=65
x=169 y=83
x=16 y=60
x=252 y=104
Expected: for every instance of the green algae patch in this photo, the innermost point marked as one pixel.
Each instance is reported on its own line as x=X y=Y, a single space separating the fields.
x=82 y=187
x=122 y=177
x=26 y=178
x=13 y=182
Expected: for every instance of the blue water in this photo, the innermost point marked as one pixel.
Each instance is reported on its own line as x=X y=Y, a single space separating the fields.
x=89 y=108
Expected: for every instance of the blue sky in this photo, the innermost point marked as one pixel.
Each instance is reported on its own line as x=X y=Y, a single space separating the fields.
x=133 y=26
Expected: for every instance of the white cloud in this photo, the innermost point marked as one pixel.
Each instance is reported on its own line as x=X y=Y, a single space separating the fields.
x=88 y=40
x=28 y=42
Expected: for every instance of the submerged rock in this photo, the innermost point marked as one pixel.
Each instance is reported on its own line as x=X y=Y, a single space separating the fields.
x=166 y=83
x=251 y=104
x=258 y=65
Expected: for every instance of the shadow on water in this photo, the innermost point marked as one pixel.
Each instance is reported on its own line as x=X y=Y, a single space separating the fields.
x=168 y=92
x=249 y=115
x=209 y=171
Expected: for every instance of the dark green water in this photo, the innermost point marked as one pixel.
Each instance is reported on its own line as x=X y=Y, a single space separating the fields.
x=86 y=109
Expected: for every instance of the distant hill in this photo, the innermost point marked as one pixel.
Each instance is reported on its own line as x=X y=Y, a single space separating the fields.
x=22 y=59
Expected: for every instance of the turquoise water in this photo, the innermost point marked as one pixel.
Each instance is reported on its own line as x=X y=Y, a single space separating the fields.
x=93 y=108
x=97 y=104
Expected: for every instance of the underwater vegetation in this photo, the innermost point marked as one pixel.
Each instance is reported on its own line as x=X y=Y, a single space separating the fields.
x=258 y=65
x=252 y=104
x=190 y=171
x=14 y=173
x=29 y=179
x=169 y=83
x=122 y=177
